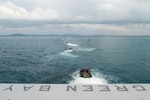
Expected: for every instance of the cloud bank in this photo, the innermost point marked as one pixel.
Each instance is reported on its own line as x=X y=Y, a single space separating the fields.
x=103 y=17
x=9 y=10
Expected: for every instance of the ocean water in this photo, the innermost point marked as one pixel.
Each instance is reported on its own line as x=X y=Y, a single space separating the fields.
x=47 y=59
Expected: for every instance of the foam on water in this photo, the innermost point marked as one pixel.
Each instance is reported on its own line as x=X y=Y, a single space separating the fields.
x=68 y=38
x=97 y=78
x=72 y=44
x=68 y=53
x=85 y=49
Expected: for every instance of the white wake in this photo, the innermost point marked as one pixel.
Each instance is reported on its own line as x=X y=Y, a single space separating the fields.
x=68 y=53
x=72 y=44
x=97 y=78
x=85 y=49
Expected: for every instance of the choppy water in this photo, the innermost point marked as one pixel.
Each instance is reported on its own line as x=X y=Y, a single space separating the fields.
x=47 y=60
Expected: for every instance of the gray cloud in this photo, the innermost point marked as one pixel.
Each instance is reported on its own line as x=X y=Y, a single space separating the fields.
x=75 y=16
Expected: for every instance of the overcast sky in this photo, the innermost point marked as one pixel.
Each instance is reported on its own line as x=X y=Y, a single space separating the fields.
x=103 y=17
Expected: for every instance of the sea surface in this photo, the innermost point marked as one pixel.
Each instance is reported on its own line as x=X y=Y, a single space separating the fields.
x=112 y=59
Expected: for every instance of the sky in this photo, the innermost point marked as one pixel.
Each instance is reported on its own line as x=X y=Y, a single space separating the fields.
x=84 y=17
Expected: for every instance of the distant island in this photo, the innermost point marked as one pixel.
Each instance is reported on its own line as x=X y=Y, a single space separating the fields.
x=36 y=35
x=65 y=35
x=18 y=34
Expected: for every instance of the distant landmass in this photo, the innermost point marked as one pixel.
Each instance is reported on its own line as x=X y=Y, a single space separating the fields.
x=64 y=35
x=18 y=34
x=21 y=34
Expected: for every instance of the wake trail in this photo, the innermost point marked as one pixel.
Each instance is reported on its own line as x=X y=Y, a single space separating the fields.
x=72 y=44
x=68 y=53
x=97 y=78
